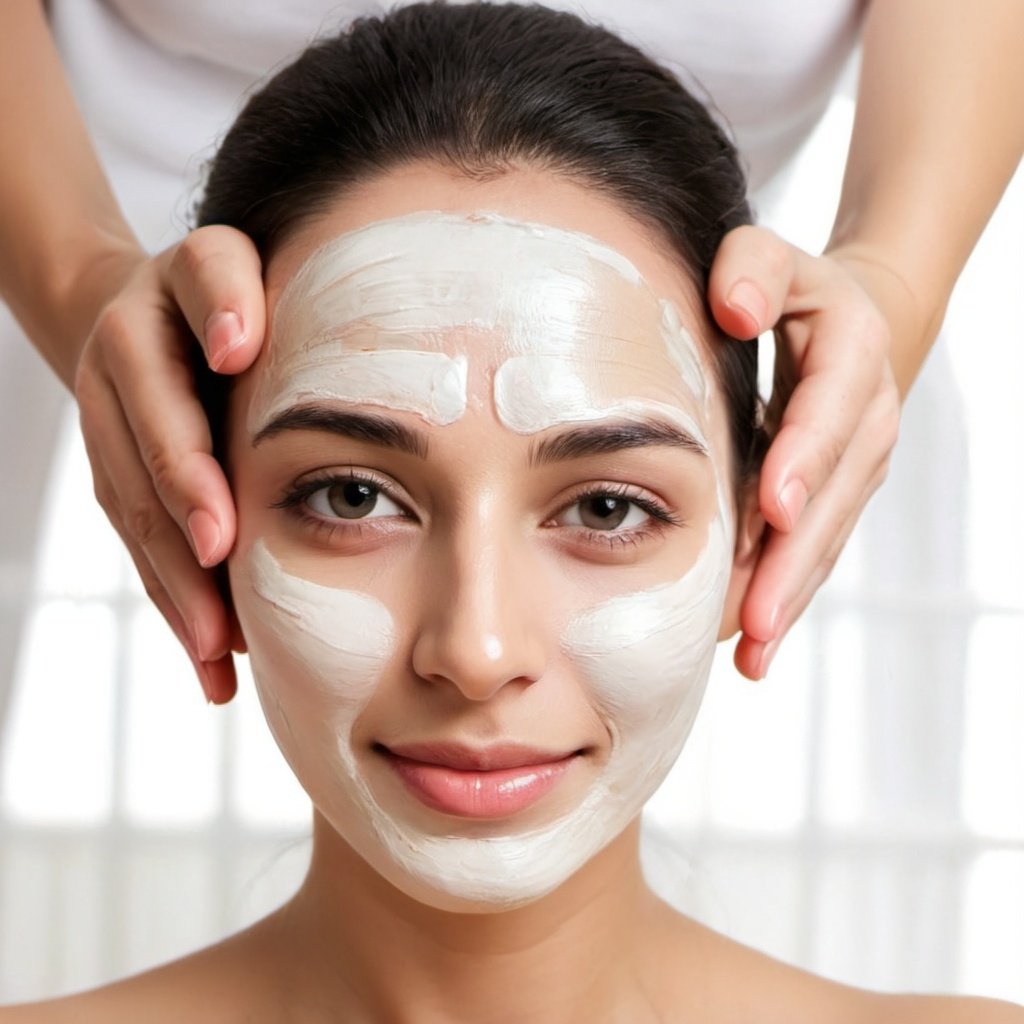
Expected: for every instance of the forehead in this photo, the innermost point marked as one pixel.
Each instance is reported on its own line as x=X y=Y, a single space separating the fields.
x=395 y=313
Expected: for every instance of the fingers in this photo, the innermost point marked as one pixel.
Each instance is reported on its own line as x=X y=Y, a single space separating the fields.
x=829 y=405
x=214 y=275
x=148 y=438
x=841 y=356
x=135 y=390
x=186 y=594
x=216 y=677
x=793 y=565
x=835 y=413
x=750 y=281
x=187 y=598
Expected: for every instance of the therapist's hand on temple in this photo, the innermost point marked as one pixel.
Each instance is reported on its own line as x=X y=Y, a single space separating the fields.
x=836 y=410
x=834 y=414
x=147 y=435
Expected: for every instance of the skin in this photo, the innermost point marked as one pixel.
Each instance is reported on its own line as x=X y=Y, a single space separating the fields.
x=879 y=291
x=600 y=947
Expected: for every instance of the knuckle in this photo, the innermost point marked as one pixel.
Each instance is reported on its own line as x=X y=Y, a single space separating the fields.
x=87 y=391
x=885 y=415
x=194 y=253
x=829 y=561
x=775 y=255
x=830 y=450
x=153 y=588
x=142 y=521
x=758 y=247
x=162 y=469
x=875 y=335
x=890 y=427
x=112 y=324
x=104 y=495
x=111 y=338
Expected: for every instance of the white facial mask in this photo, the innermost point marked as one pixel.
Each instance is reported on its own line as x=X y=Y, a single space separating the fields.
x=539 y=294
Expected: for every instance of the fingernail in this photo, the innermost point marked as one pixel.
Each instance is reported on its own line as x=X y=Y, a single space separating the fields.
x=224 y=333
x=190 y=650
x=205 y=534
x=793 y=498
x=207 y=647
x=186 y=639
x=767 y=655
x=197 y=643
x=203 y=682
x=746 y=298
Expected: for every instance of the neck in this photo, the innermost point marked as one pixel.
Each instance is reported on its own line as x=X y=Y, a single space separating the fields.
x=587 y=951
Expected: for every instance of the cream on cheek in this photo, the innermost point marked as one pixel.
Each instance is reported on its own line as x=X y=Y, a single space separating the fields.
x=387 y=296
x=317 y=655
x=646 y=655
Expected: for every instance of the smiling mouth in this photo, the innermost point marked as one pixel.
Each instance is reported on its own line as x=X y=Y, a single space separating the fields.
x=491 y=782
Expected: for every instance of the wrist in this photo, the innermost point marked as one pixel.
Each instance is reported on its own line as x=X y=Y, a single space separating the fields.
x=912 y=312
x=77 y=292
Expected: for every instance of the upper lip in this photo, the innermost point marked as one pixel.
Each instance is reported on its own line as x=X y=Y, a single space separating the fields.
x=456 y=755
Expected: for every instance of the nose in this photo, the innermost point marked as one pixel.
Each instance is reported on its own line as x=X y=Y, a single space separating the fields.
x=481 y=627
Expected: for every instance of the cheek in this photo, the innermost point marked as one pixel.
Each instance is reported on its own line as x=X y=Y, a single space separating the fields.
x=315 y=651
x=647 y=655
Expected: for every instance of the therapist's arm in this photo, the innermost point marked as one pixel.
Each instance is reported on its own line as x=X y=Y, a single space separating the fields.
x=939 y=130
x=61 y=231
x=112 y=323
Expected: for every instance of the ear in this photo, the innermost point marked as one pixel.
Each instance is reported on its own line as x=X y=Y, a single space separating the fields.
x=750 y=536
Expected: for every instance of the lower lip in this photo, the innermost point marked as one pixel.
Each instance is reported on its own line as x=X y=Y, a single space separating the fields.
x=479 y=794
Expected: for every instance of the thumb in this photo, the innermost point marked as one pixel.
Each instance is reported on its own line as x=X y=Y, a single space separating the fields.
x=214 y=275
x=750 y=280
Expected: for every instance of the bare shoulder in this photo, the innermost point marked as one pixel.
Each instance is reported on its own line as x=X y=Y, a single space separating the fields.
x=223 y=983
x=740 y=983
x=942 y=1010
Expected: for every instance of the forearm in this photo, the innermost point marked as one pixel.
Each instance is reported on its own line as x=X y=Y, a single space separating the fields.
x=64 y=244
x=938 y=132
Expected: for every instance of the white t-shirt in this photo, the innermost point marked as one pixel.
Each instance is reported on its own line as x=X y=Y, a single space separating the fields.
x=159 y=81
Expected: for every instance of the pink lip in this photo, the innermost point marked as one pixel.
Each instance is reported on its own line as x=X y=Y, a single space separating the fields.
x=489 y=783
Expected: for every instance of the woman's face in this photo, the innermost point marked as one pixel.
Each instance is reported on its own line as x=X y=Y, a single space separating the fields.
x=485 y=534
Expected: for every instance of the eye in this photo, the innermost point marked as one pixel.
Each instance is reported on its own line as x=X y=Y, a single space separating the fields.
x=351 y=499
x=605 y=512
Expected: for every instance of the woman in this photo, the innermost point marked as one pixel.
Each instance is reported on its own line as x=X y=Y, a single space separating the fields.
x=496 y=486
x=155 y=81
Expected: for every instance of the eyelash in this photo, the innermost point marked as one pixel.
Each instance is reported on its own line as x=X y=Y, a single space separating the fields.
x=294 y=502
x=660 y=517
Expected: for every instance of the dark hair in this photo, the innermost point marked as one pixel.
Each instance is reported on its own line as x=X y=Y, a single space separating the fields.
x=481 y=87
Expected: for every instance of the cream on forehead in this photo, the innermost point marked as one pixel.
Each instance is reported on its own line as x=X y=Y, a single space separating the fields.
x=365 y=317
x=534 y=393
x=430 y=384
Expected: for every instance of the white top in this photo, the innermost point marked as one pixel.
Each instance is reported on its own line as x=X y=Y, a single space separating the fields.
x=159 y=81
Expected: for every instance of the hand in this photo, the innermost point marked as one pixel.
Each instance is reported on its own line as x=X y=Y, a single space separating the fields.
x=147 y=436
x=834 y=409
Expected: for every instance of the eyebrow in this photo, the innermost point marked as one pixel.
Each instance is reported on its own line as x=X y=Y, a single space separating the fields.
x=379 y=430
x=612 y=437
x=596 y=439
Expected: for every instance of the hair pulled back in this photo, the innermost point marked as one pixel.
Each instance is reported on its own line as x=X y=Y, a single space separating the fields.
x=482 y=87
